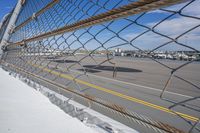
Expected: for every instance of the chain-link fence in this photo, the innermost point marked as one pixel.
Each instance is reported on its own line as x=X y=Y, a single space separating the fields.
x=133 y=58
x=3 y=25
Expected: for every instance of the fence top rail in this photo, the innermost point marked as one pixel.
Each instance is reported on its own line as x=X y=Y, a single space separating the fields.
x=36 y=14
x=121 y=12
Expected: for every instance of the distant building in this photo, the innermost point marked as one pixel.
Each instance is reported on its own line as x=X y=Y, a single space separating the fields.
x=171 y=55
x=117 y=52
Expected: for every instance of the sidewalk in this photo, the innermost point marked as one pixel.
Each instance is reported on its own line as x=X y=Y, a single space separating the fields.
x=25 y=110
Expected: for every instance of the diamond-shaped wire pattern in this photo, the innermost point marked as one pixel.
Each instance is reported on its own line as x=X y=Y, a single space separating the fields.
x=157 y=49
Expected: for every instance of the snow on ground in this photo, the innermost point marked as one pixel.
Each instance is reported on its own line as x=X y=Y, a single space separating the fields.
x=25 y=110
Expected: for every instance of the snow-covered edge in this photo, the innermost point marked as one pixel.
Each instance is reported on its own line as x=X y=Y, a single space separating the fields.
x=89 y=117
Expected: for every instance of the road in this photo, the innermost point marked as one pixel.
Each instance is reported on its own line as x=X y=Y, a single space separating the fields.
x=146 y=73
x=136 y=87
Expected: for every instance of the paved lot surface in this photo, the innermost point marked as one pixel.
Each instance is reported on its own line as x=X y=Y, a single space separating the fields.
x=137 y=85
x=143 y=72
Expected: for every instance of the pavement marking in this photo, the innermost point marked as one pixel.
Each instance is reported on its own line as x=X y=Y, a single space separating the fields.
x=142 y=86
x=164 y=109
x=128 y=83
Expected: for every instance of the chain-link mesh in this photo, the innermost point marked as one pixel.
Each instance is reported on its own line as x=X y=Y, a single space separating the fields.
x=119 y=54
x=3 y=25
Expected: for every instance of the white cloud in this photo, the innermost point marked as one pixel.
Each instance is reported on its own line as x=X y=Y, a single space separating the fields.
x=179 y=24
x=173 y=27
x=8 y=7
x=192 y=8
x=151 y=41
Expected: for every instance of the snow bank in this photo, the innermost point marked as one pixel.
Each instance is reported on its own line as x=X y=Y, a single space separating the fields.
x=25 y=110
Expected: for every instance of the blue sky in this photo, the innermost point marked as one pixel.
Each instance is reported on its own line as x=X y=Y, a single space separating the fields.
x=6 y=6
x=172 y=27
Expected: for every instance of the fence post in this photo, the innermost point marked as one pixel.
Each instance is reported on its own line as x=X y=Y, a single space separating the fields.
x=11 y=23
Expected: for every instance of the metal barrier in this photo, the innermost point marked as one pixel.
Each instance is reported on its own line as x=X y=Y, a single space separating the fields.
x=4 y=25
x=121 y=55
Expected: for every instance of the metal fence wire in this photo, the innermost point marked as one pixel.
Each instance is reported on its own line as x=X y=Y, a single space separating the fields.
x=3 y=25
x=97 y=49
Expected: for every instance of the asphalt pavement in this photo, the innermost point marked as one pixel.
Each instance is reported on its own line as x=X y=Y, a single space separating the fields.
x=136 y=86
